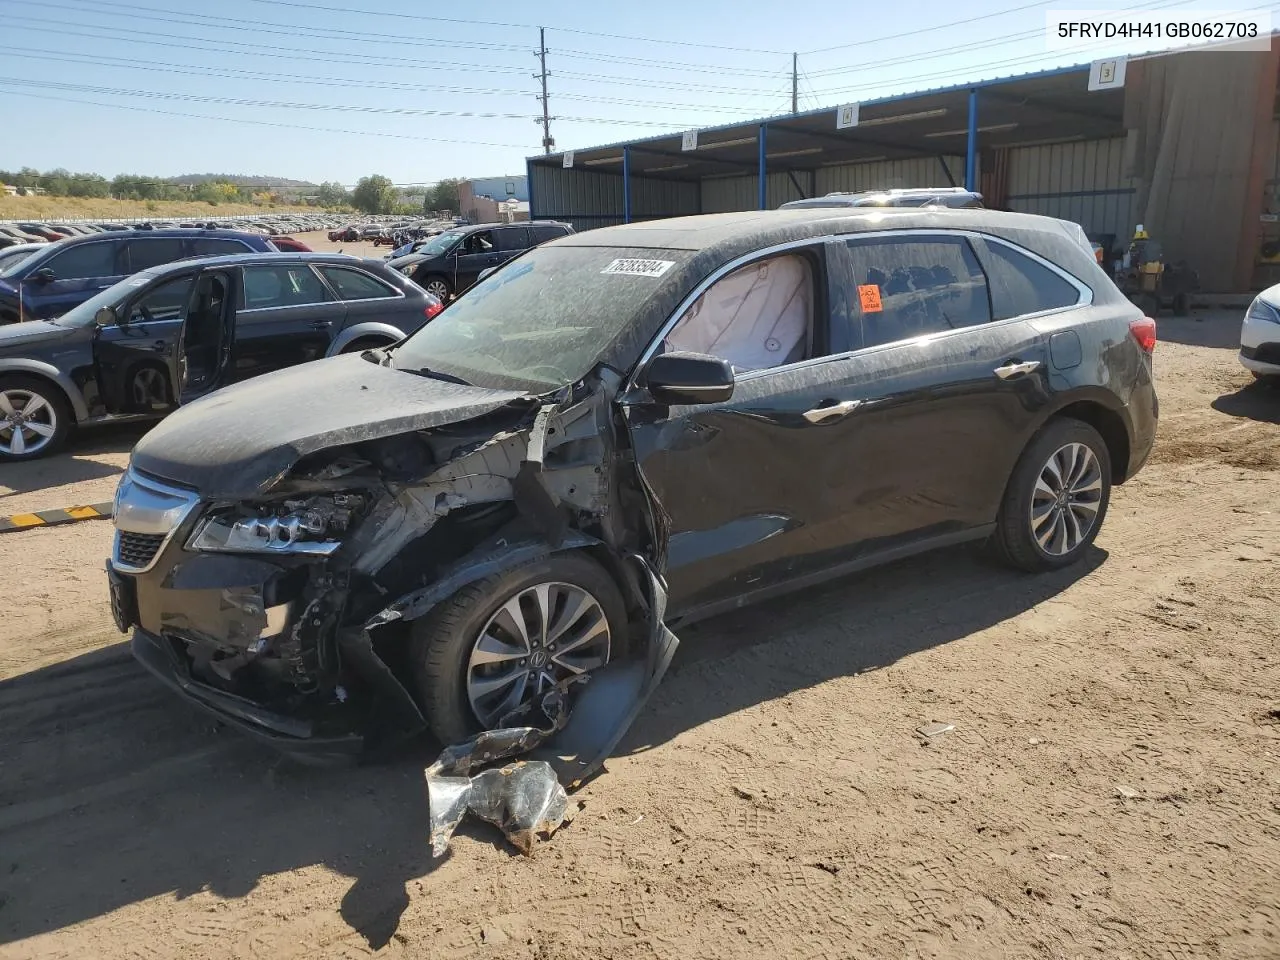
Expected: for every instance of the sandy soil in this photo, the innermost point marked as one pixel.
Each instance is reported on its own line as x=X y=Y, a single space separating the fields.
x=1109 y=788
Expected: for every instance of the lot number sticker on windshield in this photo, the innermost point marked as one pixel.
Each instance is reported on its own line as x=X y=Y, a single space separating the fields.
x=869 y=295
x=639 y=268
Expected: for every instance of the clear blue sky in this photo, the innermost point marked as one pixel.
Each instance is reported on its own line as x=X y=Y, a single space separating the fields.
x=269 y=69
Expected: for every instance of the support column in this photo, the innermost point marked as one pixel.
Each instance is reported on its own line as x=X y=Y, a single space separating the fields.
x=971 y=149
x=763 y=169
x=626 y=184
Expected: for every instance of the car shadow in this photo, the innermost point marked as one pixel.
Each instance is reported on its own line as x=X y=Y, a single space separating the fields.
x=1255 y=401
x=79 y=462
x=1216 y=328
x=846 y=627
x=115 y=792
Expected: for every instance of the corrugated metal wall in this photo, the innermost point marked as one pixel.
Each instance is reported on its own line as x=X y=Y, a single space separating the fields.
x=1083 y=182
x=727 y=194
x=887 y=174
x=590 y=199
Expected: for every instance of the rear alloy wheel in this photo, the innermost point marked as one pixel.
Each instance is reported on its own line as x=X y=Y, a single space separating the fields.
x=34 y=418
x=500 y=643
x=438 y=287
x=1056 y=499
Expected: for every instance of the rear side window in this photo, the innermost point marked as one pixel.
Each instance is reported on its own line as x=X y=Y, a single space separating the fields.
x=145 y=254
x=909 y=287
x=209 y=247
x=1020 y=285
x=356 y=285
x=85 y=261
x=513 y=238
x=290 y=286
x=545 y=232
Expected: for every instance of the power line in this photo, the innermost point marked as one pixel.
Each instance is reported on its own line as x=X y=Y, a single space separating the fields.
x=922 y=30
x=265 y=123
x=275 y=53
x=231 y=73
x=183 y=18
x=294 y=105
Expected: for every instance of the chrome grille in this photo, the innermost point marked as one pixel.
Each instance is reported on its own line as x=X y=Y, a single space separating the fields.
x=147 y=513
x=137 y=550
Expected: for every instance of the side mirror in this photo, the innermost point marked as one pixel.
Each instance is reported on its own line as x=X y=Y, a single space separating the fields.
x=44 y=275
x=687 y=378
x=105 y=317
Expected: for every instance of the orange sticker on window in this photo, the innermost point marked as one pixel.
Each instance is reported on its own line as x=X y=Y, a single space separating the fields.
x=869 y=295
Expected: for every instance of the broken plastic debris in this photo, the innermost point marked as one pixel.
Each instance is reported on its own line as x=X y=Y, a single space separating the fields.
x=522 y=799
x=935 y=729
x=1128 y=793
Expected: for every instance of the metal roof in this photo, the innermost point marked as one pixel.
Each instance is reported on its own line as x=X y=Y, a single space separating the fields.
x=1048 y=105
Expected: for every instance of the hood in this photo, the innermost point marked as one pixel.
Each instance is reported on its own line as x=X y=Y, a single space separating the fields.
x=1271 y=296
x=15 y=335
x=236 y=442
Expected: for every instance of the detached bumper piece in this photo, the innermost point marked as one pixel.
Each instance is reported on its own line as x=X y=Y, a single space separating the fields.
x=528 y=798
x=292 y=735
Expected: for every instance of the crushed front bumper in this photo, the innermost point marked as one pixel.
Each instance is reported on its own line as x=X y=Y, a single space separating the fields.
x=292 y=735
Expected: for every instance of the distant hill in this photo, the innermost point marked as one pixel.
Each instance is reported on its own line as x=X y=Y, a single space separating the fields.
x=239 y=180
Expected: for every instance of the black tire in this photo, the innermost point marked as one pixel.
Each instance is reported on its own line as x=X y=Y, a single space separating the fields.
x=63 y=418
x=442 y=641
x=1014 y=538
x=445 y=286
x=365 y=343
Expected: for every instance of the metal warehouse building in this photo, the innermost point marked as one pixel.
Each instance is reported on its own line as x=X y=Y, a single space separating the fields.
x=1184 y=143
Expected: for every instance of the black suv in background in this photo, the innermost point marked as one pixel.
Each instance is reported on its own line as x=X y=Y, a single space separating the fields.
x=73 y=270
x=448 y=264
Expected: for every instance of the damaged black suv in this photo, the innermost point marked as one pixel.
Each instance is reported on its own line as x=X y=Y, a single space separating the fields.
x=617 y=432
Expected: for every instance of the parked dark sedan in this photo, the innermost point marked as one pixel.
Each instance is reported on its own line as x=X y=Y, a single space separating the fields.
x=74 y=269
x=176 y=332
x=629 y=427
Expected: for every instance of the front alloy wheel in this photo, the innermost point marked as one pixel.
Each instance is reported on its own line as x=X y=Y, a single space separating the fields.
x=33 y=421
x=542 y=635
x=499 y=643
x=438 y=289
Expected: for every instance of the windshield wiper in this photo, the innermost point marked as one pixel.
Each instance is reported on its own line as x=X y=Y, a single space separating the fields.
x=440 y=375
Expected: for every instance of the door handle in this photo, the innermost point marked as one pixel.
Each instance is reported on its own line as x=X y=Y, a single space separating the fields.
x=321 y=324
x=1016 y=369
x=836 y=411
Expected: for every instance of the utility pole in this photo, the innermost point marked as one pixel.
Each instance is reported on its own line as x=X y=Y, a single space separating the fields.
x=795 y=83
x=547 y=140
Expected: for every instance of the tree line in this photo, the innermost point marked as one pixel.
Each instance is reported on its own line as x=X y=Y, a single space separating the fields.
x=373 y=194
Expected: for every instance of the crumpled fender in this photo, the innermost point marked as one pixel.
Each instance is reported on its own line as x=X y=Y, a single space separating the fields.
x=496 y=555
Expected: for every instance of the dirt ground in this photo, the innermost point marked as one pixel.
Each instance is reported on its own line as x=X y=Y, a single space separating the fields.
x=1109 y=789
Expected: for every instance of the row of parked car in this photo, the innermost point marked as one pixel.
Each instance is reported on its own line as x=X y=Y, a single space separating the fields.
x=130 y=324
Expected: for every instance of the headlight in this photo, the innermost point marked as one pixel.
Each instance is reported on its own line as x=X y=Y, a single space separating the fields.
x=1261 y=310
x=310 y=527
x=407 y=271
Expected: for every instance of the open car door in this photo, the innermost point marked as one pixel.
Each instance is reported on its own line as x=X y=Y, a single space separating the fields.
x=138 y=358
x=204 y=348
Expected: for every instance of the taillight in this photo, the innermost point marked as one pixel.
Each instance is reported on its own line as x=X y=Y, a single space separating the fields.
x=434 y=307
x=1144 y=331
